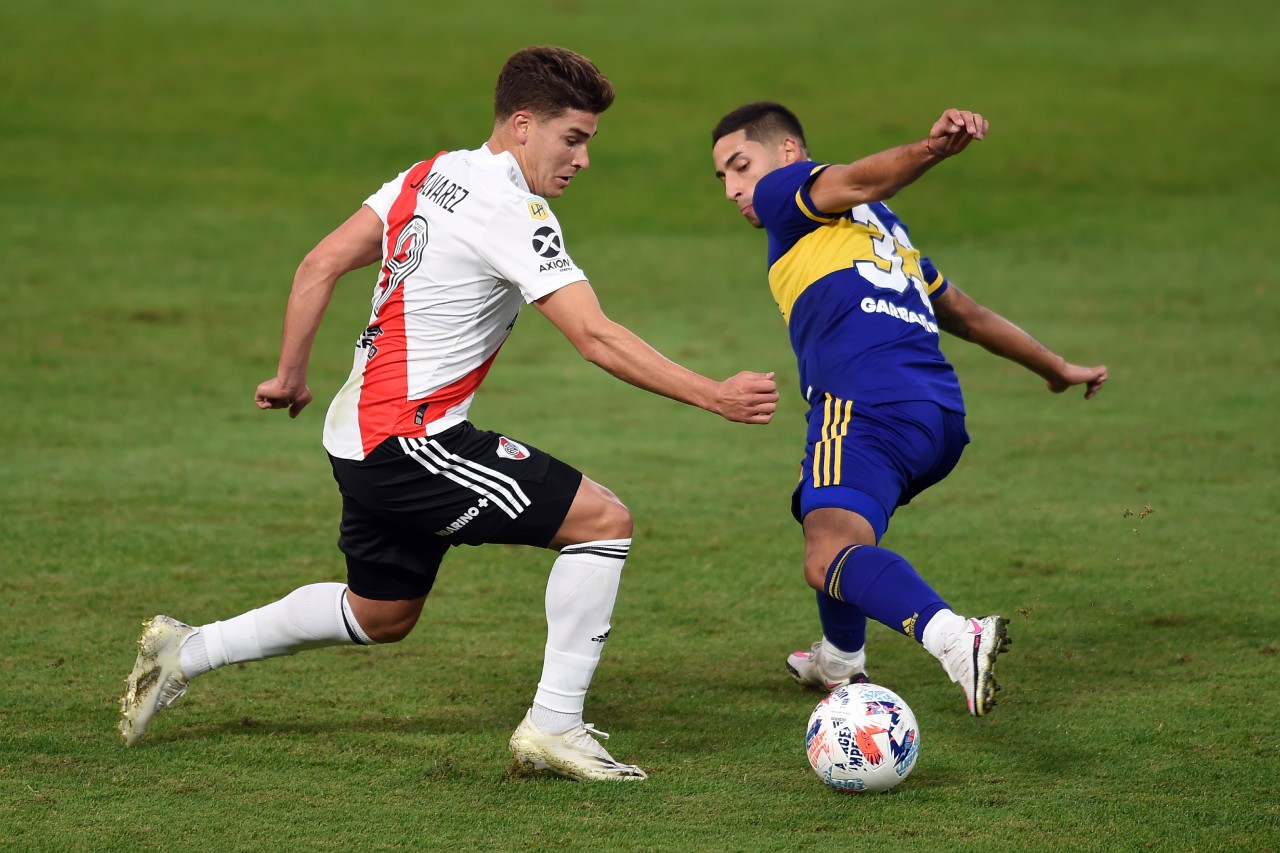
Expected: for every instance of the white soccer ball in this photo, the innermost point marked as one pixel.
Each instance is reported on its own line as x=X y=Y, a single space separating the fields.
x=862 y=739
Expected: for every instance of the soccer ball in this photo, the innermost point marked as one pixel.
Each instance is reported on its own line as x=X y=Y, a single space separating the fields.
x=862 y=739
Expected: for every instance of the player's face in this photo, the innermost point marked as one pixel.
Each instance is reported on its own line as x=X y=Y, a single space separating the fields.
x=555 y=150
x=740 y=164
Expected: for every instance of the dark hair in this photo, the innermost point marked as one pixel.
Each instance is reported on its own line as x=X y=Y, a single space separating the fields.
x=548 y=82
x=764 y=121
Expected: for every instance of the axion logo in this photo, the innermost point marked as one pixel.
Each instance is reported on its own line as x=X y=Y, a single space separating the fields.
x=546 y=242
x=509 y=449
x=556 y=264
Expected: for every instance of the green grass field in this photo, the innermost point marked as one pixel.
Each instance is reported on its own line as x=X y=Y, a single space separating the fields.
x=164 y=167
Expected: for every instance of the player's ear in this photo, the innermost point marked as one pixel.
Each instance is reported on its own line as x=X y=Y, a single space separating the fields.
x=792 y=151
x=521 y=122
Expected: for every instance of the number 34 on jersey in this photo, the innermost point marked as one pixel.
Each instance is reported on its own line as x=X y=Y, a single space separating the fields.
x=873 y=245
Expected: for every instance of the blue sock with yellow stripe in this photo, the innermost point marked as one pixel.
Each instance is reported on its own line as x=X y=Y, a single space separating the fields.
x=883 y=586
x=843 y=624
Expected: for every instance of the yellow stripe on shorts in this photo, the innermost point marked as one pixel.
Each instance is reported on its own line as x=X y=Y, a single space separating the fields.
x=836 y=414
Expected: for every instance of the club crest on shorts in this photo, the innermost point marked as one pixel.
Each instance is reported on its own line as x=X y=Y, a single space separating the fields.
x=509 y=449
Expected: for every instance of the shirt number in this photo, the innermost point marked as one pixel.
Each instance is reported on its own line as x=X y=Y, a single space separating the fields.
x=887 y=270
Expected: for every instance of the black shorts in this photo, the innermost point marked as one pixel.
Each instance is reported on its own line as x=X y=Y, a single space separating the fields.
x=411 y=499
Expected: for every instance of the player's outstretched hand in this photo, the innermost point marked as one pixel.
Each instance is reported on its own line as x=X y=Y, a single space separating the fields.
x=952 y=133
x=274 y=394
x=1092 y=378
x=748 y=398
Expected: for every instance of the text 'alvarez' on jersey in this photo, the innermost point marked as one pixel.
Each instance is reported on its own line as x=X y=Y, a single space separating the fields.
x=464 y=247
x=855 y=295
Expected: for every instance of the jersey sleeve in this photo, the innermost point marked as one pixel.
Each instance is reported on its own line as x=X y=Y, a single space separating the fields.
x=380 y=202
x=935 y=284
x=525 y=246
x=782 y=202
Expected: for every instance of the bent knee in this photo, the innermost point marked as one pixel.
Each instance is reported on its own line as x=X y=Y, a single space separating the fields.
x=392 y=632
x=616 y=521
x=387 y=622
x=815 y=574
x=596 y=514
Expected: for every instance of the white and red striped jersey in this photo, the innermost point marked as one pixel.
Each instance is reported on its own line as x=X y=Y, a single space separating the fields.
x=465 y=246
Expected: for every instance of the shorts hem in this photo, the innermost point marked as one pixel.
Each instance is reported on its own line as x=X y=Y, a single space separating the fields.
x=844 y=497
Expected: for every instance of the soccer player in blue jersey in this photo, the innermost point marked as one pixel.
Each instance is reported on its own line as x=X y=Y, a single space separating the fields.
x=886 y=416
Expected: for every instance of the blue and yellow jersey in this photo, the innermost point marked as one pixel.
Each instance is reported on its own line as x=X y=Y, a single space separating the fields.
x=855 y=295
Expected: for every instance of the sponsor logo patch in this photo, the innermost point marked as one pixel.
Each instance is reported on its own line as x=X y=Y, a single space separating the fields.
x=464 y=519
x=555 y=265
x=882 y=306
x=546 y=242
x=509 y=449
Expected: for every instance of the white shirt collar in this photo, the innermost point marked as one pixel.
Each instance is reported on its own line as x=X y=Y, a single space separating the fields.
x=506 y=160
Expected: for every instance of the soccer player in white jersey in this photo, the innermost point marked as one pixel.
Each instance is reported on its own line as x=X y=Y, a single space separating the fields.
x=464 y=240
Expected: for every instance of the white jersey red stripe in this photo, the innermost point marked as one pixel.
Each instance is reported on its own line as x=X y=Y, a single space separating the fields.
x=465 y=245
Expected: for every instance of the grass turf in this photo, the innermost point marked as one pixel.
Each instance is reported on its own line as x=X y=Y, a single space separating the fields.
x=164 y=167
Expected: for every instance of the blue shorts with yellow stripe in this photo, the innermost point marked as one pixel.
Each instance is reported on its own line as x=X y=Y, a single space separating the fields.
x=874 y=459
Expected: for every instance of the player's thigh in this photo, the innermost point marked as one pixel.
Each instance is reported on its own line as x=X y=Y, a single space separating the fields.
x=490 y=488
x=949 y=439
x=410 y=500
x=385 y=561
x=868 y=460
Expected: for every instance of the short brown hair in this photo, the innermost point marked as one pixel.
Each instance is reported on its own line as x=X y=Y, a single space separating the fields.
x=764 y=121
x=549 y=81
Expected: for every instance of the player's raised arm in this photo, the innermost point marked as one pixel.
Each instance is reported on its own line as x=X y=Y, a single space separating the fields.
x=960 y=315
x=747 y=397
x=353 y=244
x=879 y=176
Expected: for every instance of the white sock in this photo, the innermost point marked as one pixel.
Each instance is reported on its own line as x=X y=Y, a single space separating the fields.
x=837 y=660
x=555 y=722
x=941 y=628
x=310 y=617
x=580 y=593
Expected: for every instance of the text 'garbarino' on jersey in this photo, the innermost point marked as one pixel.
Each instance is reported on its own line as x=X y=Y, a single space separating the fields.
x=465 y=246
x=855 y=295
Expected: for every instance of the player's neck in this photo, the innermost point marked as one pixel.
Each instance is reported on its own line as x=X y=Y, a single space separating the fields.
x=501 y=142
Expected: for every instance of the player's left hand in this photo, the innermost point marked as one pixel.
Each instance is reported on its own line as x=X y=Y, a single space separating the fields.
x=748 y=398
x=1092 y=378
x=275 y=394
x=952 y=133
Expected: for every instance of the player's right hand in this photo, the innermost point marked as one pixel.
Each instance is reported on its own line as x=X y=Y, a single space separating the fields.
x=952 y=133
x=748 y=398
x=275 y=394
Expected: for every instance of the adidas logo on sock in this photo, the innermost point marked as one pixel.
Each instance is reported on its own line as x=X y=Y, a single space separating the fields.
x=601 y=638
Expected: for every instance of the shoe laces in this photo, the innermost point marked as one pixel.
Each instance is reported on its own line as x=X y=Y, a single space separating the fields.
x=173 y=689
x=581 y=738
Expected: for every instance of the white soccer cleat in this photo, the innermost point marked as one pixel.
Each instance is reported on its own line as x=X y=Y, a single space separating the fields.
x=575 y=753
x=812 y=669
x=969 y=658
x=157 y=680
